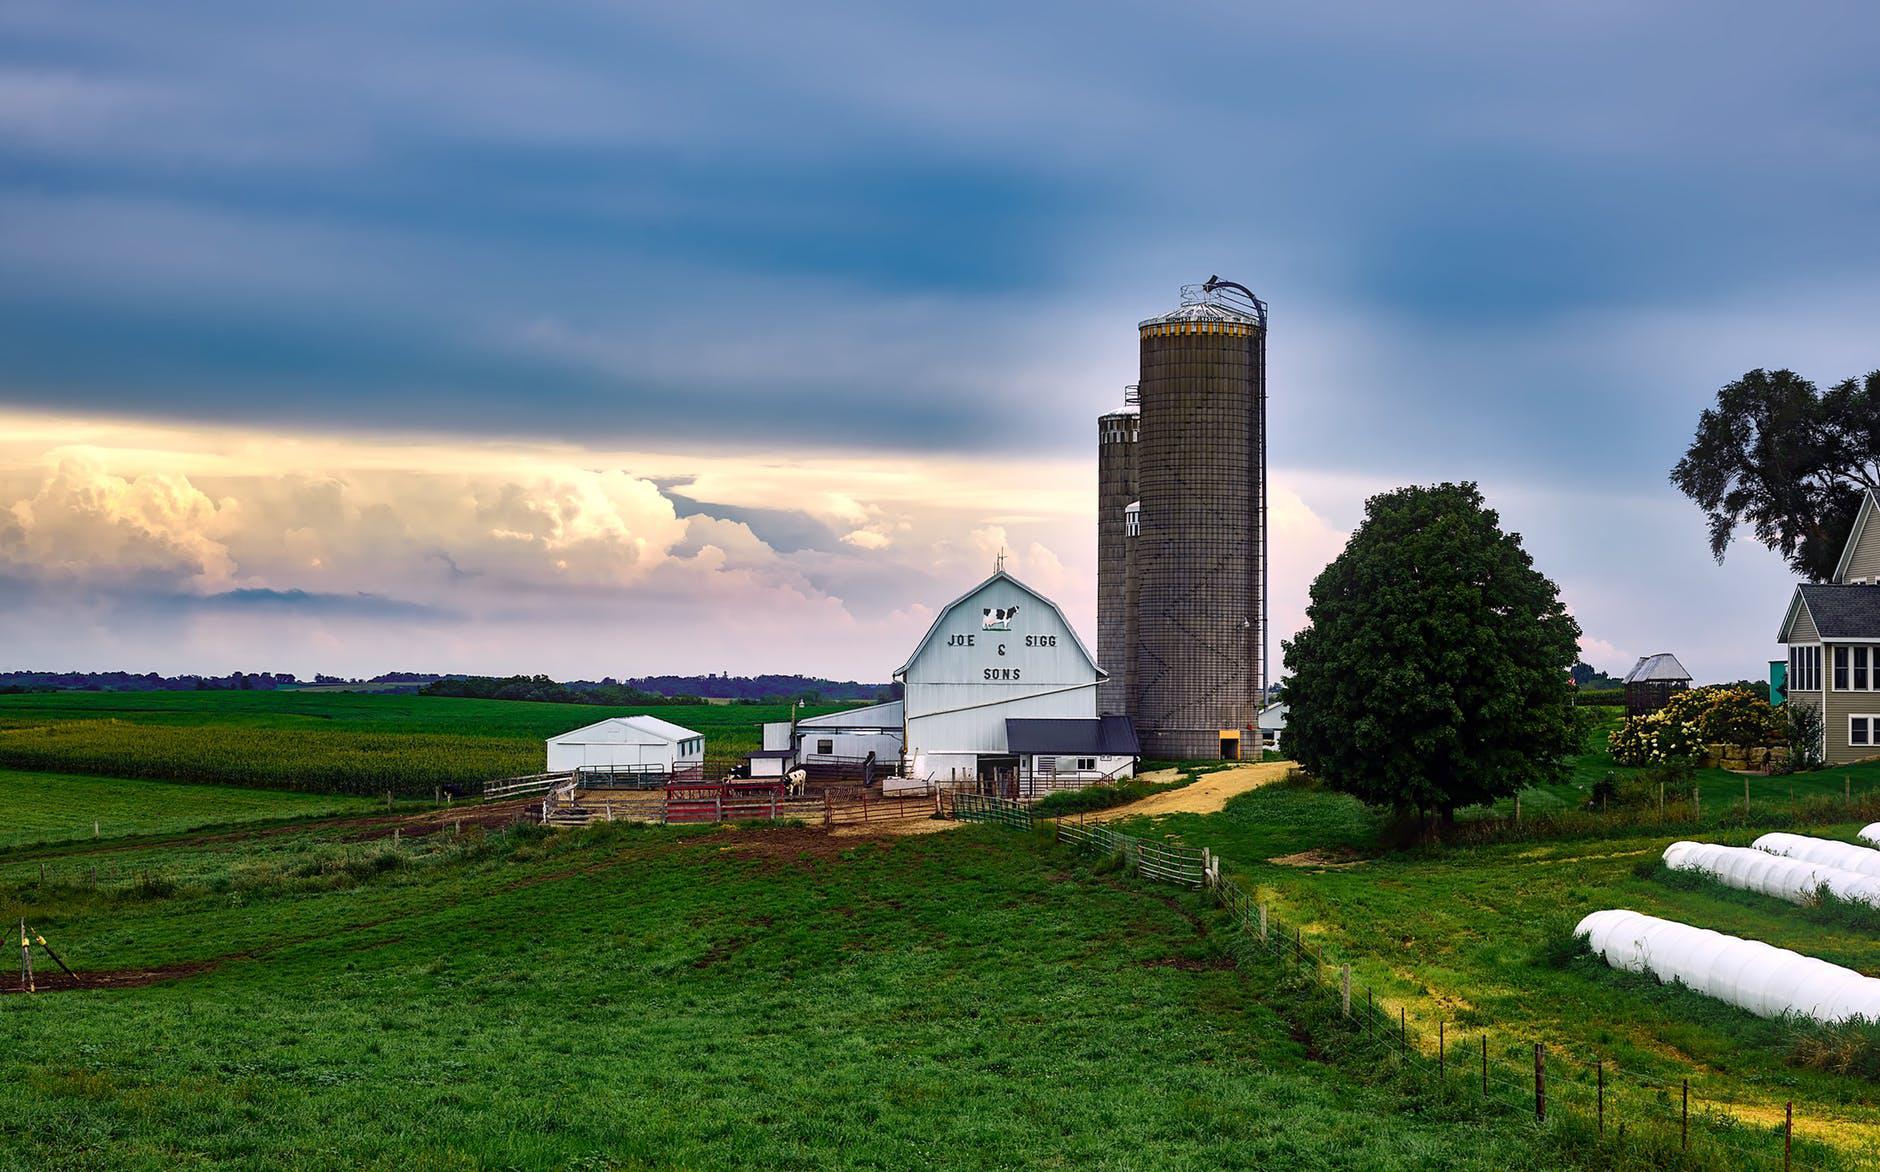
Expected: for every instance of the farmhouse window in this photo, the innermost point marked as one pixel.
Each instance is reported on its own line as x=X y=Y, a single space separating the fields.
x=1840 y=669
x=1860 y=729
x=825 y=747
x=1805 y=668
x=1861 y=677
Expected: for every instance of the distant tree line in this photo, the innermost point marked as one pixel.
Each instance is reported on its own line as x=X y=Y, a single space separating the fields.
x=123 y=681
x=770 y=689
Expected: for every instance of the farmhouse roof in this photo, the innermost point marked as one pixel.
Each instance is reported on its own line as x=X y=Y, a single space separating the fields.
x=1109 y=735
x=1842 y=612
x=627 y=730
x=1653 y=668
x=996 y=576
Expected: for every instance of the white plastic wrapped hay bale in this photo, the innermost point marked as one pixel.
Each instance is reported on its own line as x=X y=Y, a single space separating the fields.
x=1844 y=856
x=1748 y=869
x=1870 y=833
x=1766 y=980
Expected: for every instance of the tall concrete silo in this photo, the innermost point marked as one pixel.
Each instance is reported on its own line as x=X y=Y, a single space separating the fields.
x=1198 y=676
x=1116 y=580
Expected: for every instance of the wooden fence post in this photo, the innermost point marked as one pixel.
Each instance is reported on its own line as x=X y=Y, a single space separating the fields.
x=1344 y=987
x=1517 y=809
x=1540 y=1083
x=1602 y=1097
x=1263 y=923
x=26 y=961
x=1788 y=1132
x=94 y=828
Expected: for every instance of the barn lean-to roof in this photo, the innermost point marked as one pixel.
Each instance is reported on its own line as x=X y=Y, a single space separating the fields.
x=948 y=609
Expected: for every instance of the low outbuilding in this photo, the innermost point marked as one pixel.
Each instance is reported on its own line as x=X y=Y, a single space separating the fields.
x=1652 y=681
x=629 y=750
x=1071 y=752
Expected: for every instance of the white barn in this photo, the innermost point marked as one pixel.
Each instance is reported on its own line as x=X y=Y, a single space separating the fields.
x=634 y=745
x=999 y=652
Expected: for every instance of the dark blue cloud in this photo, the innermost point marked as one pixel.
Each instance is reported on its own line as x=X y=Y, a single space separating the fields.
x=825 y=227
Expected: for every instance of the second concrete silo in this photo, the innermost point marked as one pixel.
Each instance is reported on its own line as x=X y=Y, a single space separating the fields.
x=1198 y=676
x=1116 y=576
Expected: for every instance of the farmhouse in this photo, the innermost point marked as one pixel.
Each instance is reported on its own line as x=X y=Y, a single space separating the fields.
x=998 y=658
x=628 y=749
x=1833 y=634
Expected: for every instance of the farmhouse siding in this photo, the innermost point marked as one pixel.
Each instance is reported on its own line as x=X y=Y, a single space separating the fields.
x=1840 y=706
x=1864 y=562
x=1803 y=631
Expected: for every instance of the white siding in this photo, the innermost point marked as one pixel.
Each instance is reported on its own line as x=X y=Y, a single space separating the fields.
x=967 y=681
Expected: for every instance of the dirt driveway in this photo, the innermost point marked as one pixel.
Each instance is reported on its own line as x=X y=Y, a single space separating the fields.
x=1206 y=796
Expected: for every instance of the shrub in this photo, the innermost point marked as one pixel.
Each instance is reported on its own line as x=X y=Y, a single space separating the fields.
x=1678 y=732
x=1805 y=730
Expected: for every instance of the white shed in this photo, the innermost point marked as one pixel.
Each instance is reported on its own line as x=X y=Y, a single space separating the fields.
x=999 y=652
x=637 y=745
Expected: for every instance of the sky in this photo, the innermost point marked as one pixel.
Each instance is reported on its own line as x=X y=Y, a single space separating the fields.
x=612 y=339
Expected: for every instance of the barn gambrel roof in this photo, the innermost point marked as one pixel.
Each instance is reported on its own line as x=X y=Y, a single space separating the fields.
x=948 y=609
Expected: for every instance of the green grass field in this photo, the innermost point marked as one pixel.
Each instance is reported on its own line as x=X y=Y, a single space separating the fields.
x=624 y=997
x=58 y=807
x=637 y=997
x=1463 y=935
x=325 y=741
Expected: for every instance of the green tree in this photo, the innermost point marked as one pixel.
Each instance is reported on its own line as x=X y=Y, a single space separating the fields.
x=1432 y=673
x=1787 y=460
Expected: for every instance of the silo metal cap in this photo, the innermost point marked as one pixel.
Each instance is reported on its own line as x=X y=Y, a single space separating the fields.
x=1214 y=300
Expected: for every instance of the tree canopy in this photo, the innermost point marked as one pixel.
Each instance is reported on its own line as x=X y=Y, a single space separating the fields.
x=1432 y=673
x=1788 y=460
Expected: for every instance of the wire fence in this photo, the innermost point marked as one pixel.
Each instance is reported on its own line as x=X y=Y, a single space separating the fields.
x=1474 y=1073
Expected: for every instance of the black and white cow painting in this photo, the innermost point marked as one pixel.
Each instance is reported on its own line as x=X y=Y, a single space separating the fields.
x=997 y=618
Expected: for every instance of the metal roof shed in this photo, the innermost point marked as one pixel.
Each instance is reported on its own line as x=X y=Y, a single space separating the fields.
x=1652 y=680
x=627 y=744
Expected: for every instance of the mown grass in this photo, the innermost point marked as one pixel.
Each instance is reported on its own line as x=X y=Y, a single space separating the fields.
x=58 y=807
x=325 y=742
x=625 y=997
x=1461 y=935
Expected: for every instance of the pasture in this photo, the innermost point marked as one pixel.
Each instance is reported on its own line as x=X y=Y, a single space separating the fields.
x=639 y=996
x=1477 y=936
x=58 y=807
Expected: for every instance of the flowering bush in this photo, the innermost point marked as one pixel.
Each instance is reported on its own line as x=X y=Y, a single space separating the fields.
x=1694 y=718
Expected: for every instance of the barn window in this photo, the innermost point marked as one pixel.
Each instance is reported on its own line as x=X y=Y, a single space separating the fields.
x=1086 y=764
x=825 y=747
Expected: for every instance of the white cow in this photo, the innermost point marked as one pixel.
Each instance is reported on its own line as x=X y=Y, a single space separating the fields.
x=794 y=780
